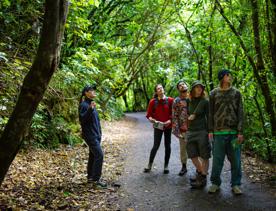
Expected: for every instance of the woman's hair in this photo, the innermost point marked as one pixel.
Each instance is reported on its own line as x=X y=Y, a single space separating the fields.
x=155 y=90
x=203 y=93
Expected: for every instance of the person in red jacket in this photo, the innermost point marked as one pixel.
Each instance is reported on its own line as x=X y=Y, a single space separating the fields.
x=160 y=114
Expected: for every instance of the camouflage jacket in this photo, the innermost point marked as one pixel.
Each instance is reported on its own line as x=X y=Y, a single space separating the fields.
x=180 y=116
x=226 y=110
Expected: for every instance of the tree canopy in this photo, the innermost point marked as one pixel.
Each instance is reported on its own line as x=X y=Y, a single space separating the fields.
x=126 y=47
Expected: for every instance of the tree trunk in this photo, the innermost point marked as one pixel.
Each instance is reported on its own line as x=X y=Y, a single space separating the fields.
x=35 y=82
x=210 y=65
x=261 y=68
x=259 y=72
x=273 y=37
x=144 y=87
x=126 y=103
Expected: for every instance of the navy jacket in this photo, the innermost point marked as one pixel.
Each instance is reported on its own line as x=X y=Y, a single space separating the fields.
x=89 y=120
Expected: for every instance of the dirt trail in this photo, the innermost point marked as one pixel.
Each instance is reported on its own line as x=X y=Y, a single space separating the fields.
x=156 y=191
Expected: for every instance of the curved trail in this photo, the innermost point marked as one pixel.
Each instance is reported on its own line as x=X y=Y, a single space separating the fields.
x=157 y=191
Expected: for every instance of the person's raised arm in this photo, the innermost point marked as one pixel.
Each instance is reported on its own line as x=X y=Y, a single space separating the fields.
x=86 y=111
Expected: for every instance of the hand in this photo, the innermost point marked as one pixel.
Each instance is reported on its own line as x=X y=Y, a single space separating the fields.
x=93 y=104
x=240 y=138
x=152 y=120
x=167 y=122
x=173 y=126
x=192 y=117
x=183 y=128
x=211 y=137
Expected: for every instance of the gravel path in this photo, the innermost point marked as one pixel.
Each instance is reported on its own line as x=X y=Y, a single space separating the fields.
x=156 y=191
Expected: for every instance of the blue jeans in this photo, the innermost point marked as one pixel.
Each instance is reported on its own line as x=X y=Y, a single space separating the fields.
x=95 y=161
x=222 y=146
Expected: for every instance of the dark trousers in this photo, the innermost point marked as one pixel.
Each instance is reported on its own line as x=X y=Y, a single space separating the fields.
x=95 y=160
x=157 y=140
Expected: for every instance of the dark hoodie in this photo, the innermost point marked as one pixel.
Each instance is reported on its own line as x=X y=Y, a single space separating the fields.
x=90 y=122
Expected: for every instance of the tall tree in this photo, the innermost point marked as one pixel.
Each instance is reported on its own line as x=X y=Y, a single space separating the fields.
x=35 y=82
x=272 y=39
x=258 y=68
x=261 y=67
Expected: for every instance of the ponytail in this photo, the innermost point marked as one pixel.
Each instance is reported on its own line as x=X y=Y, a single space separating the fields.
x=81 y=99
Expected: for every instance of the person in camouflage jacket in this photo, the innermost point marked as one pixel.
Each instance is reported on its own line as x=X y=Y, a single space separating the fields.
x=225 y=130
x=180 y=121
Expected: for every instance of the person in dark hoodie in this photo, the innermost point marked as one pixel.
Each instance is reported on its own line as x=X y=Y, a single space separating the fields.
x=91 y=132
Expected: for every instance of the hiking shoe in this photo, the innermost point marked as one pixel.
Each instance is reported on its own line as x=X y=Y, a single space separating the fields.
x=236 y=190
x=98 y=184
x=166 y=170
x=200 y=182
x=183 y=170
x=213 y=189
x=147 y=170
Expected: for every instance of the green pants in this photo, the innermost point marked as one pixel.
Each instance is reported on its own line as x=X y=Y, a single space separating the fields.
x=222 y=146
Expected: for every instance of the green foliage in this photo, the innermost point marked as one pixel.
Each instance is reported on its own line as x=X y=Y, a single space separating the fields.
x=20 y=24
x=260 y=145
x=46 y=132
x=126 y=48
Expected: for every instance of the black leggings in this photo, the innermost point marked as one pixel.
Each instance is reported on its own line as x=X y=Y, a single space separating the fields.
x=157 y=140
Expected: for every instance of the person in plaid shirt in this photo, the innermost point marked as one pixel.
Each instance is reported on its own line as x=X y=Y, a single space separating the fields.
x=180 y=122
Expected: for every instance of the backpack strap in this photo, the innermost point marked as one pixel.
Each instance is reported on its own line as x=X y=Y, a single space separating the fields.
x=156 y=101
x=166 y=101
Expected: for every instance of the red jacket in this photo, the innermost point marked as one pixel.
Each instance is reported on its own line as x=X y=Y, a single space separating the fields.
x=161 y=111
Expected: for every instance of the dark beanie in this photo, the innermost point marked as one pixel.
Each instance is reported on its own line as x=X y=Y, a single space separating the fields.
x=222 y=73
x=88 y=88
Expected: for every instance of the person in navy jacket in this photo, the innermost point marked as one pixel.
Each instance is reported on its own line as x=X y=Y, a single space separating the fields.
x=92 y=134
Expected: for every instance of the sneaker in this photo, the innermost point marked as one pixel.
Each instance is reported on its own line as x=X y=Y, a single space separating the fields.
x=213 y=188
x=166 y=170
x=183 y=170
x=236 y=190
x=200 y=182
x=98 y=184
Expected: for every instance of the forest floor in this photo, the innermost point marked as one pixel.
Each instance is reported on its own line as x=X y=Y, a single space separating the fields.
x=56 y=179
x=41 y=179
